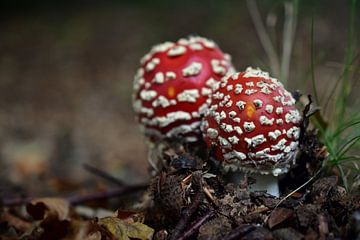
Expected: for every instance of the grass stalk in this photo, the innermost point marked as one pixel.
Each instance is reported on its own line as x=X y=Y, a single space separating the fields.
x=264 y=37
x=312 y=64
x=288 y=38
x=349 y=55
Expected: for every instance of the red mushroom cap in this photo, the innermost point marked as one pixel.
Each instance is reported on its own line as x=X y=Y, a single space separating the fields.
x=252 y=123
x=172 y=85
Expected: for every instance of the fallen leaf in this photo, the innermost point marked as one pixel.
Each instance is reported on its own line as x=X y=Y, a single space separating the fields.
x=130 y=216
x=41 y=208
x=50 y=228
x=125 y=231
x=18 y=223
x=278 y=216
x=55 y=228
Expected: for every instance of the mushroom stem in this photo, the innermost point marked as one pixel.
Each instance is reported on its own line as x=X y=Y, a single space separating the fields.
x=268 y=183
x=265 y=182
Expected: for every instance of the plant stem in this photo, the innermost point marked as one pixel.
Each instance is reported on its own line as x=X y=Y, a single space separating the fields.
x=103 y=174
x=288 y=38
x=312 y=62
x=345 y=86
x=264 y=37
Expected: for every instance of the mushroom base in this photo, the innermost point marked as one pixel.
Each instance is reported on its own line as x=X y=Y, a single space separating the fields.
x=268 y=183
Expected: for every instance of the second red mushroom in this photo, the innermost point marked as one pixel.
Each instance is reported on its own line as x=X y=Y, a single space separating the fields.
x=253 y=124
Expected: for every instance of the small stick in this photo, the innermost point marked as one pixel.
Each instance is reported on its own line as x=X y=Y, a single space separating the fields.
x=208 y=194
x=260 y=210
x=297 y=189
x=75 y=200
x=186 y=216
x=196 y=226
x=17 y=222
x=185 y=181
x=190 y=211
x=16 y=201
x=103 y=174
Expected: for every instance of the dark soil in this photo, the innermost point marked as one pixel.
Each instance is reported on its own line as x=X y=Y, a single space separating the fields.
x=189 y=197
x=192 y=202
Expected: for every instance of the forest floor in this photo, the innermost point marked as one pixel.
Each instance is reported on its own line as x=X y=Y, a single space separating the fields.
x=191 y=199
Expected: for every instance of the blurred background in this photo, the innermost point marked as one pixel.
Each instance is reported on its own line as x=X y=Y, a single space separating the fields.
x=66 y=71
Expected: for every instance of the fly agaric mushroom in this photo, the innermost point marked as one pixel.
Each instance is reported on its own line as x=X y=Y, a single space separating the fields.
x=173 y=84
x=253 y=126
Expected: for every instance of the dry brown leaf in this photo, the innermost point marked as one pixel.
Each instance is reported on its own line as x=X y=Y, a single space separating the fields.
x=51 y=228
x=129 y=216
x=18 y=223
x=41 y=208
x=278 y=216
x=125 y=231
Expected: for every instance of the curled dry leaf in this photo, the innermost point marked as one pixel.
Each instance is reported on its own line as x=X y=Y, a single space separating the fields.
x=41 y=208
x=125 y=231
x=278 y=216
x=15 y=221
x=51 y=228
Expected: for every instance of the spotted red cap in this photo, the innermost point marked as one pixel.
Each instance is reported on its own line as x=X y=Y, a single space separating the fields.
x=252 y=123
x=173 y=84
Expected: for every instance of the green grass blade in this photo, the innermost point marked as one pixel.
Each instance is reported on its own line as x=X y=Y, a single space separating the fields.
x=337 y=83
x=344 y=127
x=349 y=158
x=346 y=86
x=343 y=176
x=347 y=146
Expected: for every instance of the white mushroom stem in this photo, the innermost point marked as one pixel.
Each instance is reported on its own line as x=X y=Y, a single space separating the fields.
x=268 y=182
x=265 y=182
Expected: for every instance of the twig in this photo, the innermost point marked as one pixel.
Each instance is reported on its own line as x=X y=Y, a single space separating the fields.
x=305 y=119
x=103 y=174
x=239 y=232
x=186 y=216
x=264 y=37
x=209 y=195
x=196 y=226
x=16 y=201
x=15 y=221
x=303 y=185
x=190 y=211
x=75 y=200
